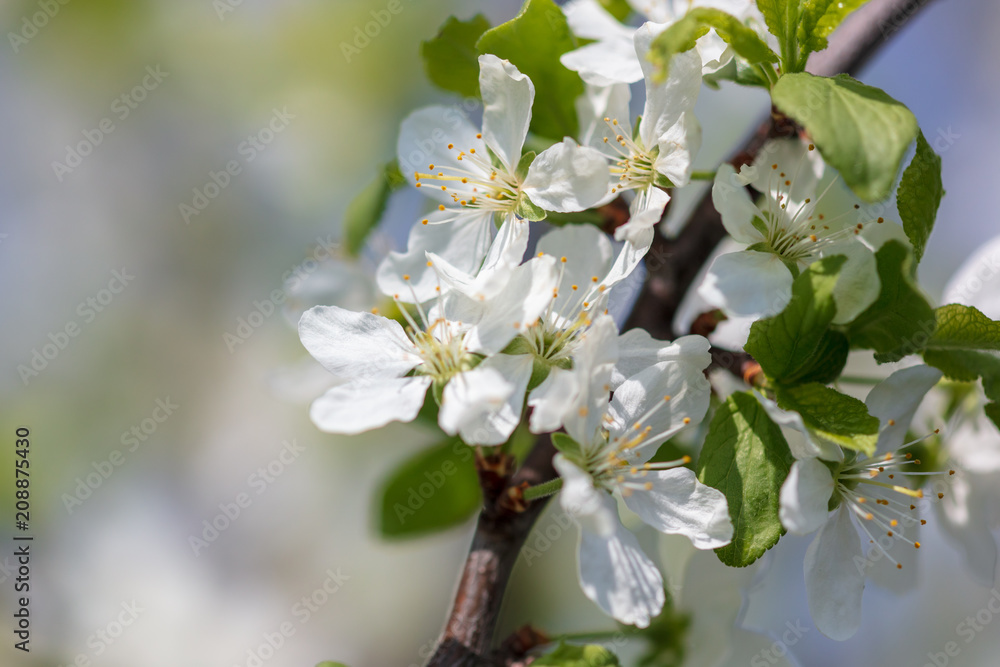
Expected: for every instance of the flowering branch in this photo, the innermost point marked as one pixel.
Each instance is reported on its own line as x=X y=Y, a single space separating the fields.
x=672 y=265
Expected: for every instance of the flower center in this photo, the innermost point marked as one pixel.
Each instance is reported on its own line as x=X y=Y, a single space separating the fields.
x=800 y=231
x=870 y=488
x=475 y=183
x=635 y=168
x=440 y=344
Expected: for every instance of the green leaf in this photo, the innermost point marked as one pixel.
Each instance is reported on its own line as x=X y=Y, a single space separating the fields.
x=682 y=35
x=571 y=655
x=828 y=360
x=859 y=130
x=533 y=42
x=964 y=328
x=919 y=195
x=900 y=321
x=778 y=14
x=833 y=416
x=992 y=411
x=747 y=458
x=451 y=59
x=436 y=489
x=365 y=210
x=818 y=19
x=620 y=9
x=786 y=345
x=968 y=366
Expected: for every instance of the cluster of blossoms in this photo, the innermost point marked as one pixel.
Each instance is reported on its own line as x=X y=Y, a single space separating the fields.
x=495 y=321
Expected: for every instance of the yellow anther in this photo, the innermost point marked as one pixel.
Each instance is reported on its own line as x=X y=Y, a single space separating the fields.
x=406 y=276
x=687 y=420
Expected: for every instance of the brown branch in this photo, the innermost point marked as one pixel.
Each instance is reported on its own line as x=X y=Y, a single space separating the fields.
x=672 y=266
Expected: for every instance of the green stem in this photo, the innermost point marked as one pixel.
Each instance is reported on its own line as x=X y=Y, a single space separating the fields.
x=702 y=175
x=544 y=489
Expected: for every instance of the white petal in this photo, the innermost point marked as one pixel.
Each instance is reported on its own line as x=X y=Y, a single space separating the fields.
x=606 y=62
x=620 y=578
x=638 y=351
x=665 y=101
x=552 y=400
x=471 y=396
x=977 y=282
x=588 y=253
x=567 y=177
x=804 y=168
x=678 y=504
x=424 y=137
x=356 y=345
x=463 y=242
x=748 y=284
x=598 y=103
x=507 y=98
x=714 y=52
x=834 y=582
x=732 y=201
x=805 y=496
x=858 y=285
x=645 y=212
x=361 y=406
x=809 y=446
x=896 y=400
x=614 y=571
x=644 y=393
x=505 y=254
x=496 y=425
x=593 y=362
x=522 y=301
x=589 y=20
x=582 y=501
x=678 y=146
x=631 y=253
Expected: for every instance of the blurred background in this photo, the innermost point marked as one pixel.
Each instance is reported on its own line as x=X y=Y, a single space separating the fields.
x=117 y=117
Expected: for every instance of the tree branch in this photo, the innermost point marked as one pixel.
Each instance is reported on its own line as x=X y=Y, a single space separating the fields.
x=672 y=266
